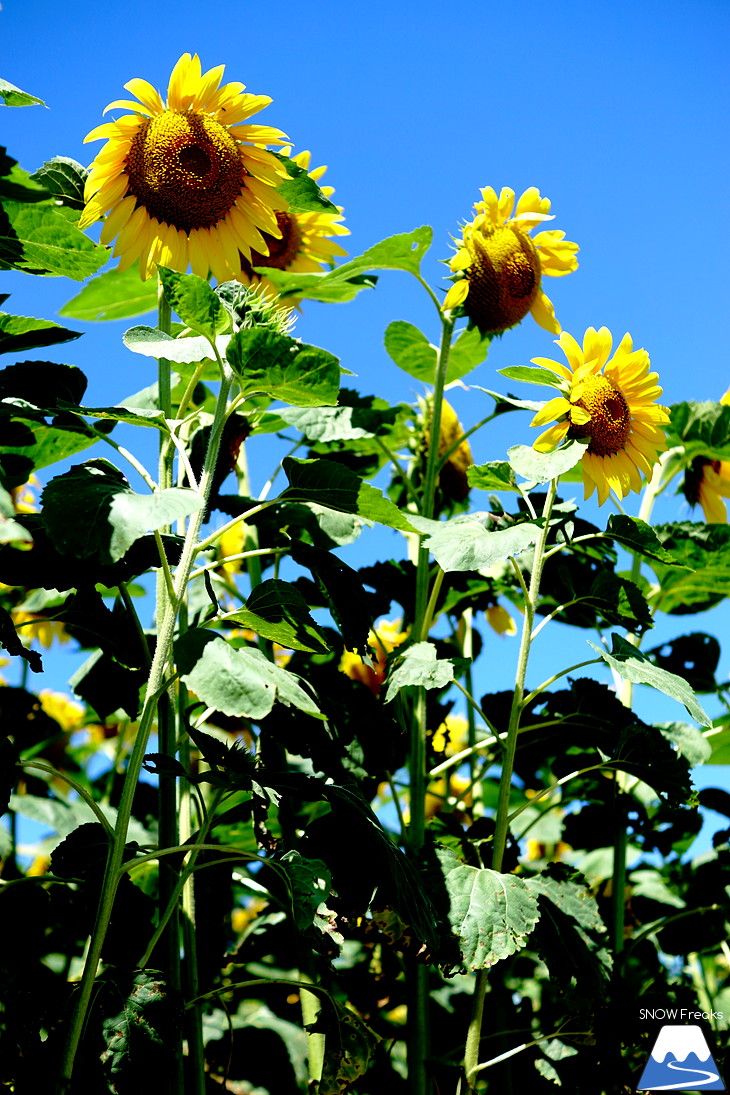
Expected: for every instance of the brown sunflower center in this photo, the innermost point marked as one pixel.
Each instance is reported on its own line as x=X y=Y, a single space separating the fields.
x=185 y=169
x=610 y=423
x=282 y=252
x=504 y=278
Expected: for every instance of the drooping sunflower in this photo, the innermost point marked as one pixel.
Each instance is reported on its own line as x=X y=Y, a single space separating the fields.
x=498 y=266
x=187 y=181
x=612 y=402
x=707 y=483
x=303 y=244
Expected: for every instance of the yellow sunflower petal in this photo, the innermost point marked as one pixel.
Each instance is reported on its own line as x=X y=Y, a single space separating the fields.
x=456 y=295
x=543 y=313
x=554 y=408
x=551 y=438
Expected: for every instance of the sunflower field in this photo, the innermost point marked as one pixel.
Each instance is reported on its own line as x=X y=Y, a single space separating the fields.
x=287 y=829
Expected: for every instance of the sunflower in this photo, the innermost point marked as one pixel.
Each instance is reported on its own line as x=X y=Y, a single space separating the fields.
x=189 y=181
x=707 y=483
x=382 y=642
x=303 y=244
x=611 y=402
x=498 y=266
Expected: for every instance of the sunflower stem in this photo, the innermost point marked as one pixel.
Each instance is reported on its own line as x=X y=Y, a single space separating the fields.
x=167 y=707
x=417 y=974
x=471 y=1050
x=155 y=688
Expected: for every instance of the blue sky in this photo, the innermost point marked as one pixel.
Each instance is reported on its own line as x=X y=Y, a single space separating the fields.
x=618 y=113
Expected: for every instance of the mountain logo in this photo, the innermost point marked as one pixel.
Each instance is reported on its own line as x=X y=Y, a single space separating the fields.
x=681 y=1060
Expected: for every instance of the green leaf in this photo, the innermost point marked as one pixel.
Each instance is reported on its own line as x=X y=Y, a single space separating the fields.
x=466 y=543
x=705 y=551
x=277 y=611
x=634 y=666
x=301 y=191
x=271 y=364
x=690 y=742
x=91 y=512
x=492 y=914
x=343 y=592
x=639 y=537
x=113 y=295
x=309 y=884
x=10 y=531
x=43 y=239
x=702 y=429
x=497 y=475
x=419 y=666
x=195 y=302
x=402 y=252
x=342 y=423
x=16 y=184
x=469 y=350
x=38 y=445
x=530 y=374
x=539 y=467
x=64 y=179
x=50 y=381
x=572 y=898
x=411 y=351
x=650 y=884
x=152 y=342
x=139 y=1036
x=315 y=286
x=243 y=683
x=13 y=96
x=18 y=333
x=334 y=485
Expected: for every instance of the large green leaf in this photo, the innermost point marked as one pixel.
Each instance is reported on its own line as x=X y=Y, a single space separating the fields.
x=309 y=884
x=301 y=191
x=13 y=96
x=277 y=611
x=491 y=914
x=43 y=239
x=704 y=550
x=411 y=351
x=241 y=682
x=139 y=1036
x=17 y=185
x=497 y=475
x=469 y=349
x=34 y=444
x=334 y=485
x=402 y=252
x=539 y=467
x=640 y=538
x=703 y=429
x=18 y=333
x=467 y=543
x=530 y=374
x=91 y=511
x=572 y=898
x=152 y=342
x=634 y=666
x=420 y=666
x=197 y=305
x=64 y=179
x=271 y=364
x=114 y=294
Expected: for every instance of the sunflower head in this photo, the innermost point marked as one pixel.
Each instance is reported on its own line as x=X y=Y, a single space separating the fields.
x=610 y=401
x=707 y=483
x=186 y=181
x=498 y=266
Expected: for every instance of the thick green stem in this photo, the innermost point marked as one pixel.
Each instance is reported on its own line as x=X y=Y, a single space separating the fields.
x=155 y=687
x=471 y=1051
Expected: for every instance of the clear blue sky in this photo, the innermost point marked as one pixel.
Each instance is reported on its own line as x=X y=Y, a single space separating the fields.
x=616 y=112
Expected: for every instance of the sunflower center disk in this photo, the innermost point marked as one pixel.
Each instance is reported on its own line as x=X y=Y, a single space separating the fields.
x=504 y=278
x=282 y=252
x=610 y=423
x=185 y=169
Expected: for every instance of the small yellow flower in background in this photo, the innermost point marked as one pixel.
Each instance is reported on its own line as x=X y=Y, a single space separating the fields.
x=232 y=543
x=612 y=403
x=32 y=626
x=452 y=477
x=500 y=620
x=383 y=641
x=303 y=244
x=187 y=181
x=444 y=792
x=452 y=736
x=24 y=496
x=707 y=483
x=67 y=713
x=498 y=267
